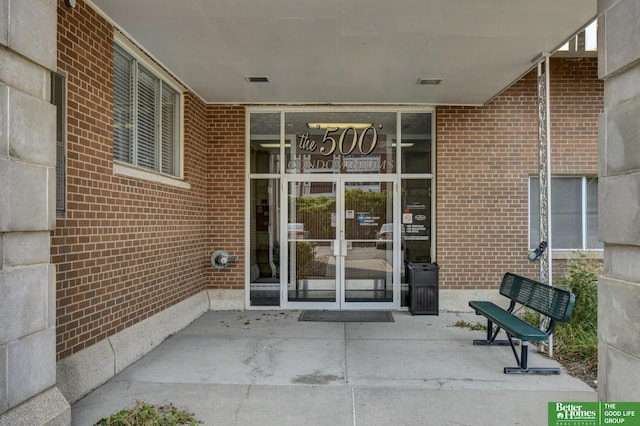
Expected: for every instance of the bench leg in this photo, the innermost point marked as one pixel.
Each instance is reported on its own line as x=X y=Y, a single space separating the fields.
x=523 y=360
x=491 y=337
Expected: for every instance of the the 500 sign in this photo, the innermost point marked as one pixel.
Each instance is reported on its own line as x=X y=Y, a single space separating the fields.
x=342 y=141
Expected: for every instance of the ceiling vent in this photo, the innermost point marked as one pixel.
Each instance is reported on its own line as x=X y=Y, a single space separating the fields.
x=428 y=81
x=256 y=79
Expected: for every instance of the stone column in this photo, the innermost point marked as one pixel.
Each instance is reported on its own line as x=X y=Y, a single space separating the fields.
x=28 y=393
x=619 y=201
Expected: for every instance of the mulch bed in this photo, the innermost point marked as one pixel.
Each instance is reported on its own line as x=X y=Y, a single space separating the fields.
x=577 y=367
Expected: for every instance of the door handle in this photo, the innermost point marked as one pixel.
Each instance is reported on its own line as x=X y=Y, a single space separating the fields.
x=336 y=248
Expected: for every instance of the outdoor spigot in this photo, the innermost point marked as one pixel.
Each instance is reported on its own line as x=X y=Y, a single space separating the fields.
x=535 y=254
x=220 y=259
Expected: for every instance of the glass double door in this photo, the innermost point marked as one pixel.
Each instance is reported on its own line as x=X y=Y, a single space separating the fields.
x=341 y=244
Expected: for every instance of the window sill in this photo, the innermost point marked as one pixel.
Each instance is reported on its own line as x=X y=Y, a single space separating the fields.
x=123 y=169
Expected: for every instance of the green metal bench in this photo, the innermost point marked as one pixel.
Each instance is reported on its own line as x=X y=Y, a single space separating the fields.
x=554 y=303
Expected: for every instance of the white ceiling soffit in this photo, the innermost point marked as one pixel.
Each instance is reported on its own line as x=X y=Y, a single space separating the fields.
x=348 y=51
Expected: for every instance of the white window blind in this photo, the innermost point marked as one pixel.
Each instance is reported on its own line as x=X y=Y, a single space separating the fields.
x=147 y=119
x=574 y=213
x=169 y=118
x=122 y=106
x=146 y=116
x=59 y=99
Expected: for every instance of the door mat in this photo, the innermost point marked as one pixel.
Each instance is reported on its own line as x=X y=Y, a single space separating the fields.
x=347 y=316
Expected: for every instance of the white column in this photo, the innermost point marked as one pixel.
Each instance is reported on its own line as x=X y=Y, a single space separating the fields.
x=28 y=392
x=619 y=201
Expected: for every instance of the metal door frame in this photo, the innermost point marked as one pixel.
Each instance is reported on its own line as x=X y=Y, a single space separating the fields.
x=339 y=181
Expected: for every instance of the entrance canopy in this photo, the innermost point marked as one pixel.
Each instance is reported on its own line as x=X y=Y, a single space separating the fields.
x=349 y=51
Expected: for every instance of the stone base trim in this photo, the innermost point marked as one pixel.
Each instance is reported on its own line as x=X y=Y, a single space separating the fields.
x=449 y=300
x=82 y=372
x=48 y=408
x=458 y=300
x=226 y=300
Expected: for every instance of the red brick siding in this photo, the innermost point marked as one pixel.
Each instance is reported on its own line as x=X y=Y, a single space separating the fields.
x=576 y=103
x=227 y=172
x=485 y=156
x=127 y=248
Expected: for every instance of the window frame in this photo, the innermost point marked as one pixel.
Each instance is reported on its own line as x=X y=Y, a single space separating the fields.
x=584 y=180
x=142 y=61
x=59 y=99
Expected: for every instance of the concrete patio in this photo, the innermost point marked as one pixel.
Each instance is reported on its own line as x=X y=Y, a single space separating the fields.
x=268 y=368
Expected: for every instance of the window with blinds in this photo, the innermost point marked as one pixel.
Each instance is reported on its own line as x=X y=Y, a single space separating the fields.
x=58 y=98
x=146 y=116
x=574 y=213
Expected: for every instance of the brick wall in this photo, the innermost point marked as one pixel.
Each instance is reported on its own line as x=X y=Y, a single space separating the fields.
x=130 y=248
x=127 y=248
x=226 y=135
x=485 y=156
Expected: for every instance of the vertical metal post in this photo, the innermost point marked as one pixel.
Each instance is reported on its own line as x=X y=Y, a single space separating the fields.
x=544 y=175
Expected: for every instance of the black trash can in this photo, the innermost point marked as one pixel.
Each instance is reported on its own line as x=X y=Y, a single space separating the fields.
x=423 y=288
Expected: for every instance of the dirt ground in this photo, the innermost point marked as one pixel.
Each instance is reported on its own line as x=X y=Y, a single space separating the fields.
x=587 y=372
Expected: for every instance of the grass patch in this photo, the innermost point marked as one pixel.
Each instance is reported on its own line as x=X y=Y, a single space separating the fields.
x=578 y=338
x=145 y=414
x=471 y=326
x=575 y=342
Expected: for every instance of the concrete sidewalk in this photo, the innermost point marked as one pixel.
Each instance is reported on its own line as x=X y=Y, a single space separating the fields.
x=267 y=368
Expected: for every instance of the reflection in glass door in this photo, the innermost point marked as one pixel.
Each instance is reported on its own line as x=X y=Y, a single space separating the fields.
x=324 y=229
x=368 y=234
x=340 y=243
x=311 y=236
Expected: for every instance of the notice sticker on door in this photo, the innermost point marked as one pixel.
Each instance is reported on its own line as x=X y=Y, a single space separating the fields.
x=350 y=214
x=407 y=218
